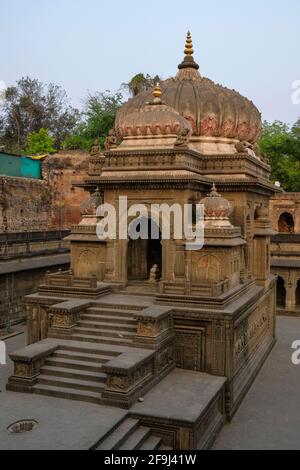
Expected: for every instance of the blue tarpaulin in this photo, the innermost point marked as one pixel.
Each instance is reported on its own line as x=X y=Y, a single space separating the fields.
x=23 y=167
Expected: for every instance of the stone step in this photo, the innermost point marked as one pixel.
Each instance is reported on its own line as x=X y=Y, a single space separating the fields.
x=67 y=393
x=81 y=356
x=151 y=443
x=73 y=364
x=88 y=347
x=74 y=374
x=101 y=325
x=136 y=439
x=108 y=318
x=117 y=437
x=101 y=339
x=72 y=383
x=115 y=312
x=112 y=333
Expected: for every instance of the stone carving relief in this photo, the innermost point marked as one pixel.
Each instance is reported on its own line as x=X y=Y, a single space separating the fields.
x=250 y=334
x=207 y=268
x=165 y=357
x=183 y=138
x=22 y=369
x=111 y=140
x=189 y=351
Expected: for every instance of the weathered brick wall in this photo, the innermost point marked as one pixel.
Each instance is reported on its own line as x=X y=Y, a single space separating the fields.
x=60 y=171
x=25 y=204
x=51 y=203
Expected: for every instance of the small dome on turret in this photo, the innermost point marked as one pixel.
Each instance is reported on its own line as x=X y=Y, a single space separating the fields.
x=155 y=118
x=217 y=209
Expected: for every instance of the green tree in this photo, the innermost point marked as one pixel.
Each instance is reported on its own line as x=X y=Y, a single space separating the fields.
x=30 y=106
x=99 y=116
x=282 y=145
x=40 y=143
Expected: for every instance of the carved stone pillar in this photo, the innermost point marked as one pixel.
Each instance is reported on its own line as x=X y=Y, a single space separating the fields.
x=179 y=264
x=290 y=303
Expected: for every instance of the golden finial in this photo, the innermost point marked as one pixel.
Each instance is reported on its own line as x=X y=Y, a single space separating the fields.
x=189 y=45
x=157 y=91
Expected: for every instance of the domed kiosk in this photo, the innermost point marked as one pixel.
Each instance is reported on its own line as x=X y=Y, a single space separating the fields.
x=220 y=117
x=194 y=318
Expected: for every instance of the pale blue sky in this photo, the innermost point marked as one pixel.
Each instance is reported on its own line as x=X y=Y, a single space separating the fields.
x=83 y=45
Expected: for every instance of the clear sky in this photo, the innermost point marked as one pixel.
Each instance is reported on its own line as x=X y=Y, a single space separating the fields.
x=94 y=45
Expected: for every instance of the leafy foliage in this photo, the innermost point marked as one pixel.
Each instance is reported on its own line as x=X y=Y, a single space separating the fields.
x=30 y=106
x=140 y=83
x=282 y=144
x=98 y=118
x=40 y=143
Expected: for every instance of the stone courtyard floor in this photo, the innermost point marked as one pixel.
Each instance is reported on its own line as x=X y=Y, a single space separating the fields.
x=269 y=417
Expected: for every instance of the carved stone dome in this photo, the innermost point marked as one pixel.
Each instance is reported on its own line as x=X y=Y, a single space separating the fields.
x=154 y=118
x=214 y=112
x=217 y=209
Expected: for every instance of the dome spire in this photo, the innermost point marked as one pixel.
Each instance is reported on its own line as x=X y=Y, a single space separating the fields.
x=157 y=91
x=189 y=45
x=188 y=63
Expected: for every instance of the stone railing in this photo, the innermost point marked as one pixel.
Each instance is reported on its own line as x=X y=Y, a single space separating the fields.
x=128 y=376
x=64 y=317
x=67 y=279
x=203 y=289
x=27 y=365
x=154 y=324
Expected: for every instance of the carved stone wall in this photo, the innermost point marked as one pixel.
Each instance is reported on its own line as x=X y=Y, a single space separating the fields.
x=190 y=348
x=13 y=288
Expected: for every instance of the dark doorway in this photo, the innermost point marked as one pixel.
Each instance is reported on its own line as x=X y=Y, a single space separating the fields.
x=298 y=295
x=281 y=293
x=144 y=254
x=286 y=223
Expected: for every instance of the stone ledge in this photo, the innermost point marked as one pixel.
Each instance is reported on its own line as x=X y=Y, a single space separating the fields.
x=27 y=364
x=153 y=313
x=35 y=351
x=186 y=407
x=128 y=361
x=70 y=306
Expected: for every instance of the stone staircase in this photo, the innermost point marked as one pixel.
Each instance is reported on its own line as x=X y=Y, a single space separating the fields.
x=131 y=435
x=106 y=326
x=74 y=371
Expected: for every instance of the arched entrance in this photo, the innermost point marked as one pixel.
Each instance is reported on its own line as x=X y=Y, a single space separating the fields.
x=286 y=223
x=281 y=293
x=298 y=295
x=143 y=254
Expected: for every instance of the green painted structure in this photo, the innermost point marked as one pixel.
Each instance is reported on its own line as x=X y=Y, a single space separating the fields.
x=22 y=167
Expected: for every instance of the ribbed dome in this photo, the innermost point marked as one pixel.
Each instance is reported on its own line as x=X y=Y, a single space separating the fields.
x=217 y=209
x=154 y=118
x=211 y=109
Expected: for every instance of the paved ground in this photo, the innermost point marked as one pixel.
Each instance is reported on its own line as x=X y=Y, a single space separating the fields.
x=269 y=417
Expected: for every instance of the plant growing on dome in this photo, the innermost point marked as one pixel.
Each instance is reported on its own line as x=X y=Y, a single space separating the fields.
x=140 y=83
